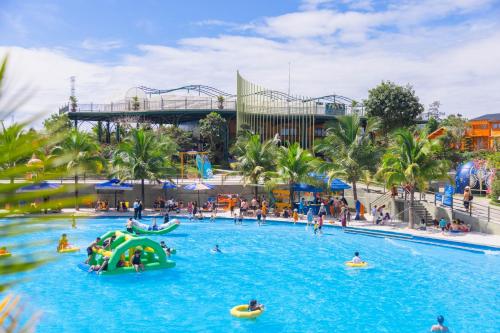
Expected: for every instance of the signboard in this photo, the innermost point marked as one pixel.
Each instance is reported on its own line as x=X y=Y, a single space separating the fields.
x=448 y=195
x=438 y=197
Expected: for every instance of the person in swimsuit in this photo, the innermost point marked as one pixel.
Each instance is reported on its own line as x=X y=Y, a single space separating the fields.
x=439 y=327
x=63 y=243
x=295 y=216
x=99 y=268
x=216 y=249
x=254 y=306
x=136 y=261
x=129 y=225
x=90 y=248
x=356 y=259
x=258 y=214
x=107 y=243
x=167 y=250
x=310 y=217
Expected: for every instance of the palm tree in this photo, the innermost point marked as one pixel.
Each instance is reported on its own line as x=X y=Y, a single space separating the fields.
x=411 y=161
x=293 y=166
x=16 y=146
x=349 y=149
x=79 y=154
x=143 y=155
x=254 y=160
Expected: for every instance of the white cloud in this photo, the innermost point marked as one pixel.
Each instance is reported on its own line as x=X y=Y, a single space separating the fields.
x=456 y=64
x=101 y=45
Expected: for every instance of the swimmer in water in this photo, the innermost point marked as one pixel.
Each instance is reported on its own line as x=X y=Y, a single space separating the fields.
x=254 y=306
x=356 y=259
x=216 y=249
x=439 y=327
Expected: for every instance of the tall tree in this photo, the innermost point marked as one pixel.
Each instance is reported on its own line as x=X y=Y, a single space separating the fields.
x=395 y=105
x=411 y=162
x=349 y=149
x=293 y=166
x=79 y=154
x=255 y=159
x=143 y=155
x=183 y=138
x=212 y=130
x=57 y=124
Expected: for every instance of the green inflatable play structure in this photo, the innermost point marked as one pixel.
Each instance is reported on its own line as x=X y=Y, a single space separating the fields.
x=122 y=250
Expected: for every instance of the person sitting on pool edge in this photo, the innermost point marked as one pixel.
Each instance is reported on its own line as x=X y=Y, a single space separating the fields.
x=356 y=259
x=136 y=261
x=90 y=249
x=216 y=249
x=99 y=268
x=254 y=306
x=439 y=327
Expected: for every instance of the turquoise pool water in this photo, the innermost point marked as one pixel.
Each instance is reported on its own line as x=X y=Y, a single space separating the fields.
x=301 y=278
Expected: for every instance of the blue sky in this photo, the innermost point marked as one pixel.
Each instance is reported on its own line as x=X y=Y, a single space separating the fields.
x=447 y=49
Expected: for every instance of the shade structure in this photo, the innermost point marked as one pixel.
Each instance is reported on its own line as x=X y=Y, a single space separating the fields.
x=338 y=185
x=43 y=186
x=199 y=187
x=114 y=185
x=168 y=185
x=306 y=188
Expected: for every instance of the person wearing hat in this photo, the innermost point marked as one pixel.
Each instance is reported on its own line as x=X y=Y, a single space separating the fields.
x=295 y=216
x=467 y=197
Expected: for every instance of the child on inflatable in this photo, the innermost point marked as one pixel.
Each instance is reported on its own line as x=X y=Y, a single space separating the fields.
x=4 y=251
x=63 y=243
x=356 y=259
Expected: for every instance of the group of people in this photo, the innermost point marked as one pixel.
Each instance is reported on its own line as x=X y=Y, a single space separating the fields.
x=455 y=226
x=378 y=215
x=102 y=205
x=138 y=208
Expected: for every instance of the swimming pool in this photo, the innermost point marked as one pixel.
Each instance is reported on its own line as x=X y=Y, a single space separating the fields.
x=301 y=278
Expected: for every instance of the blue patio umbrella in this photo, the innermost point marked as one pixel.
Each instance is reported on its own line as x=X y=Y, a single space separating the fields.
x=43 y=186
x=168 y=185
x=198 y=186
x=114 y=185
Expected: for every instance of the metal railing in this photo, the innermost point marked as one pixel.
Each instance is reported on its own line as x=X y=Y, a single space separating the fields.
x=147 y=105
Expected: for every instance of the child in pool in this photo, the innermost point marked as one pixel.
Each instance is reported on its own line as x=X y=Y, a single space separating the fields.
x=295 y=216
x=254 y=306
x=63 y=243
x=316 y=226
x=216 y=249
x=356 y=259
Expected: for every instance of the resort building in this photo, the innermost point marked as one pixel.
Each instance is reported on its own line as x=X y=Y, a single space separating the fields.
x=483 y=133
x=268 y=112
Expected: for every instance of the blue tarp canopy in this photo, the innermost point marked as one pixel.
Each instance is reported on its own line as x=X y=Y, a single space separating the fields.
x=168 y=185
x=114 y=185
x=306 y=188
x=43 y=186
x=338 y=185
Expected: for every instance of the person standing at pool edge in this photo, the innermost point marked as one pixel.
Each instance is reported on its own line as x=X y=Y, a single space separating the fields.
x=439 y=327
x=136 y=208
x=310 y=217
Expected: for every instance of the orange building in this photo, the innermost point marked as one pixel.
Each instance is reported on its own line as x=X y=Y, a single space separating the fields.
x=483 y=132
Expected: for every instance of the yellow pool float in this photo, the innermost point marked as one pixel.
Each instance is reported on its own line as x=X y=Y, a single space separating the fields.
x=241 y=311
x=69 y=250
x=353 y=264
